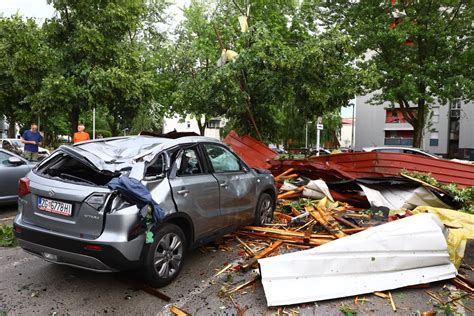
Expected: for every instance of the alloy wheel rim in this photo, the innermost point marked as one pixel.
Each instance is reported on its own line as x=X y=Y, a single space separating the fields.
x=168 y=255
x=266 y=211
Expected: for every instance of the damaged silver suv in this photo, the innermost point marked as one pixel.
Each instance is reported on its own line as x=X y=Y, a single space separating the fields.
x=181 y=193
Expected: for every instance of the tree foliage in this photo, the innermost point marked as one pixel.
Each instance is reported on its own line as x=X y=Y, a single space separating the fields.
x=24 y=60
x=97 y=60
x=285 y=73
x=419 y=52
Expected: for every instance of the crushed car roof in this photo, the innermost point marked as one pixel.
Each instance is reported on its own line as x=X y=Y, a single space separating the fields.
x=115 y=154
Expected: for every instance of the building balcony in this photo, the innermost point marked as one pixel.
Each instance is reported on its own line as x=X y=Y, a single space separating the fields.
x=398 y=127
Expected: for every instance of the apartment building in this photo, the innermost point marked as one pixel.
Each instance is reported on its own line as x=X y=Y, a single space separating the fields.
x=450 y=131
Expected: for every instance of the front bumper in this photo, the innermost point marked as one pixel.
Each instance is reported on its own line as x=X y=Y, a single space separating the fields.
x=73 y=252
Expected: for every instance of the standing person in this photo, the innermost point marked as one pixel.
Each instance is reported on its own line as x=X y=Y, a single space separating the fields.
x=80 y=135
x=31 y=138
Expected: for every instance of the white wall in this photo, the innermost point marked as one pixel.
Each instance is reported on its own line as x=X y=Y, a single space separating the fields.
x=188 y=124
x=346 y=135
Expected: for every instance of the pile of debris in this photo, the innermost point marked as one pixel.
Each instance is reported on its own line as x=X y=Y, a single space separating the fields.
x=318 y=237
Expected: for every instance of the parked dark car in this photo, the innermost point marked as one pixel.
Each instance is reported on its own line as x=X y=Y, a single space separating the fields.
x=12 y=168
x=402 y=150
x=68 y=215
x=17 y=146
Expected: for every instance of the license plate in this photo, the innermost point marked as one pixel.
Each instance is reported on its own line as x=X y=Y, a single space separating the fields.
x=55 y=207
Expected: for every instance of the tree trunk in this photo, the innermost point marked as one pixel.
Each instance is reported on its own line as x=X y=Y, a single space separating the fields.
x=419 y=124
x=74 y=119
x=202 y=126
x=11 y=127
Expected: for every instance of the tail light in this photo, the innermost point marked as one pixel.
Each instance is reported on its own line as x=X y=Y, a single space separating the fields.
x=23 y=187
x=96 y=200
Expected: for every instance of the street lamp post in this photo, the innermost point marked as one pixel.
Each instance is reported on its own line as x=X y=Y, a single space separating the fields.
x=93 y=123
x=353 y=125
x=306 y=142
x=319 y=127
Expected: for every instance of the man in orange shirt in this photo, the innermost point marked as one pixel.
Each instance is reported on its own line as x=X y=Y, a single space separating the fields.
x=80 y=135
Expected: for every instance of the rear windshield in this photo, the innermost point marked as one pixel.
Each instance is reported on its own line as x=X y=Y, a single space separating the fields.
x=67 y=168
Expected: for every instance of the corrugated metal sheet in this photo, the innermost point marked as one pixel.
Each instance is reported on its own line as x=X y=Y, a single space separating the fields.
x=254 y=153
x=376 y=164
x=406 y=252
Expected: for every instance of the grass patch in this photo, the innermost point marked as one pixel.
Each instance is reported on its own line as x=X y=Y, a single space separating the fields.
x=6 y=236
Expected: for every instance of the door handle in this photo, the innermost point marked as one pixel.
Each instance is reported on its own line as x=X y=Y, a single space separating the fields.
x=183 y=192
x=224 y=184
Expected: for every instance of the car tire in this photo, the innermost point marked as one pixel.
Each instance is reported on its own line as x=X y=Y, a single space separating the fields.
x=165 y=256
x=264 y=211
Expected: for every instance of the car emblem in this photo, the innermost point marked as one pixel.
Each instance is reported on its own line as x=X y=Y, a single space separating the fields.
x=51 y=193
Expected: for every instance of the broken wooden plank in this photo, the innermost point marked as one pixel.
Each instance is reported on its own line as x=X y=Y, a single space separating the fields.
x=284 y=217
x=295 y=212
x=246 y=247
x=321 y=220
x=381 y=294
x=278 y=178
x=345 y=222
x=283 y=232
x=241 y=286
x=273 y=247
x=286 y=239
x=267 y=251
x=307 y=233
x=227 y=267
x=392 y=302
x=462 y=285
x=155 y=292
x=291 y=194
x=178 y=312
x=354 y=230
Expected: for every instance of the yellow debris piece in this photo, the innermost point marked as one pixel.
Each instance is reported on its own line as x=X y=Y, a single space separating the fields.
x=461 y=228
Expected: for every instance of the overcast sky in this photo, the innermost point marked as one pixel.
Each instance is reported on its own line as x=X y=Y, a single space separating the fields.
x=40 y=9
x=30 y=8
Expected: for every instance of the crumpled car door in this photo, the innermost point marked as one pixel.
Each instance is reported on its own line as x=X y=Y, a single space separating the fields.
x=196 y=192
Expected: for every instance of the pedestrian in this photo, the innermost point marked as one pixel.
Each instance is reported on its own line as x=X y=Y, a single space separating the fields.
x=32 y=139
x=80 y=135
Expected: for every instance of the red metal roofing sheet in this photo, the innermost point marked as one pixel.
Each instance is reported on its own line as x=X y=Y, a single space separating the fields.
x=254 y=153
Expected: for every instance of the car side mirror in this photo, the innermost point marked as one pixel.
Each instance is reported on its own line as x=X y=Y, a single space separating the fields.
x=15 y=161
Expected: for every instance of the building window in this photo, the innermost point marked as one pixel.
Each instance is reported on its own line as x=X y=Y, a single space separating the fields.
x=434 y=138
x=188 y=124
x=214 y=123
x=435 y=116
x=455 y=109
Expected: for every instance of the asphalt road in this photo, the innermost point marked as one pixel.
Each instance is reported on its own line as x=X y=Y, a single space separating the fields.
x=29 y=285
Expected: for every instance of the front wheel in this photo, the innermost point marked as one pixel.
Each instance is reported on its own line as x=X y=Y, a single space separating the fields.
x=265 y=208
x=166 y=255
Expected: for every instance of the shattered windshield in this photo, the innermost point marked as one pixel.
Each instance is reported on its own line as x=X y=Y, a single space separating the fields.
x=121 y=149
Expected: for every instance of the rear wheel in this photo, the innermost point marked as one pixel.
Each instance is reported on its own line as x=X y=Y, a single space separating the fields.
x=265 y=208
x=166 y=255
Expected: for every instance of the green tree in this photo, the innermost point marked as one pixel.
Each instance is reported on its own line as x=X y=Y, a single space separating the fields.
x=285 y=74
x=419 y=52
x=23 y=64
x=99 y=59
